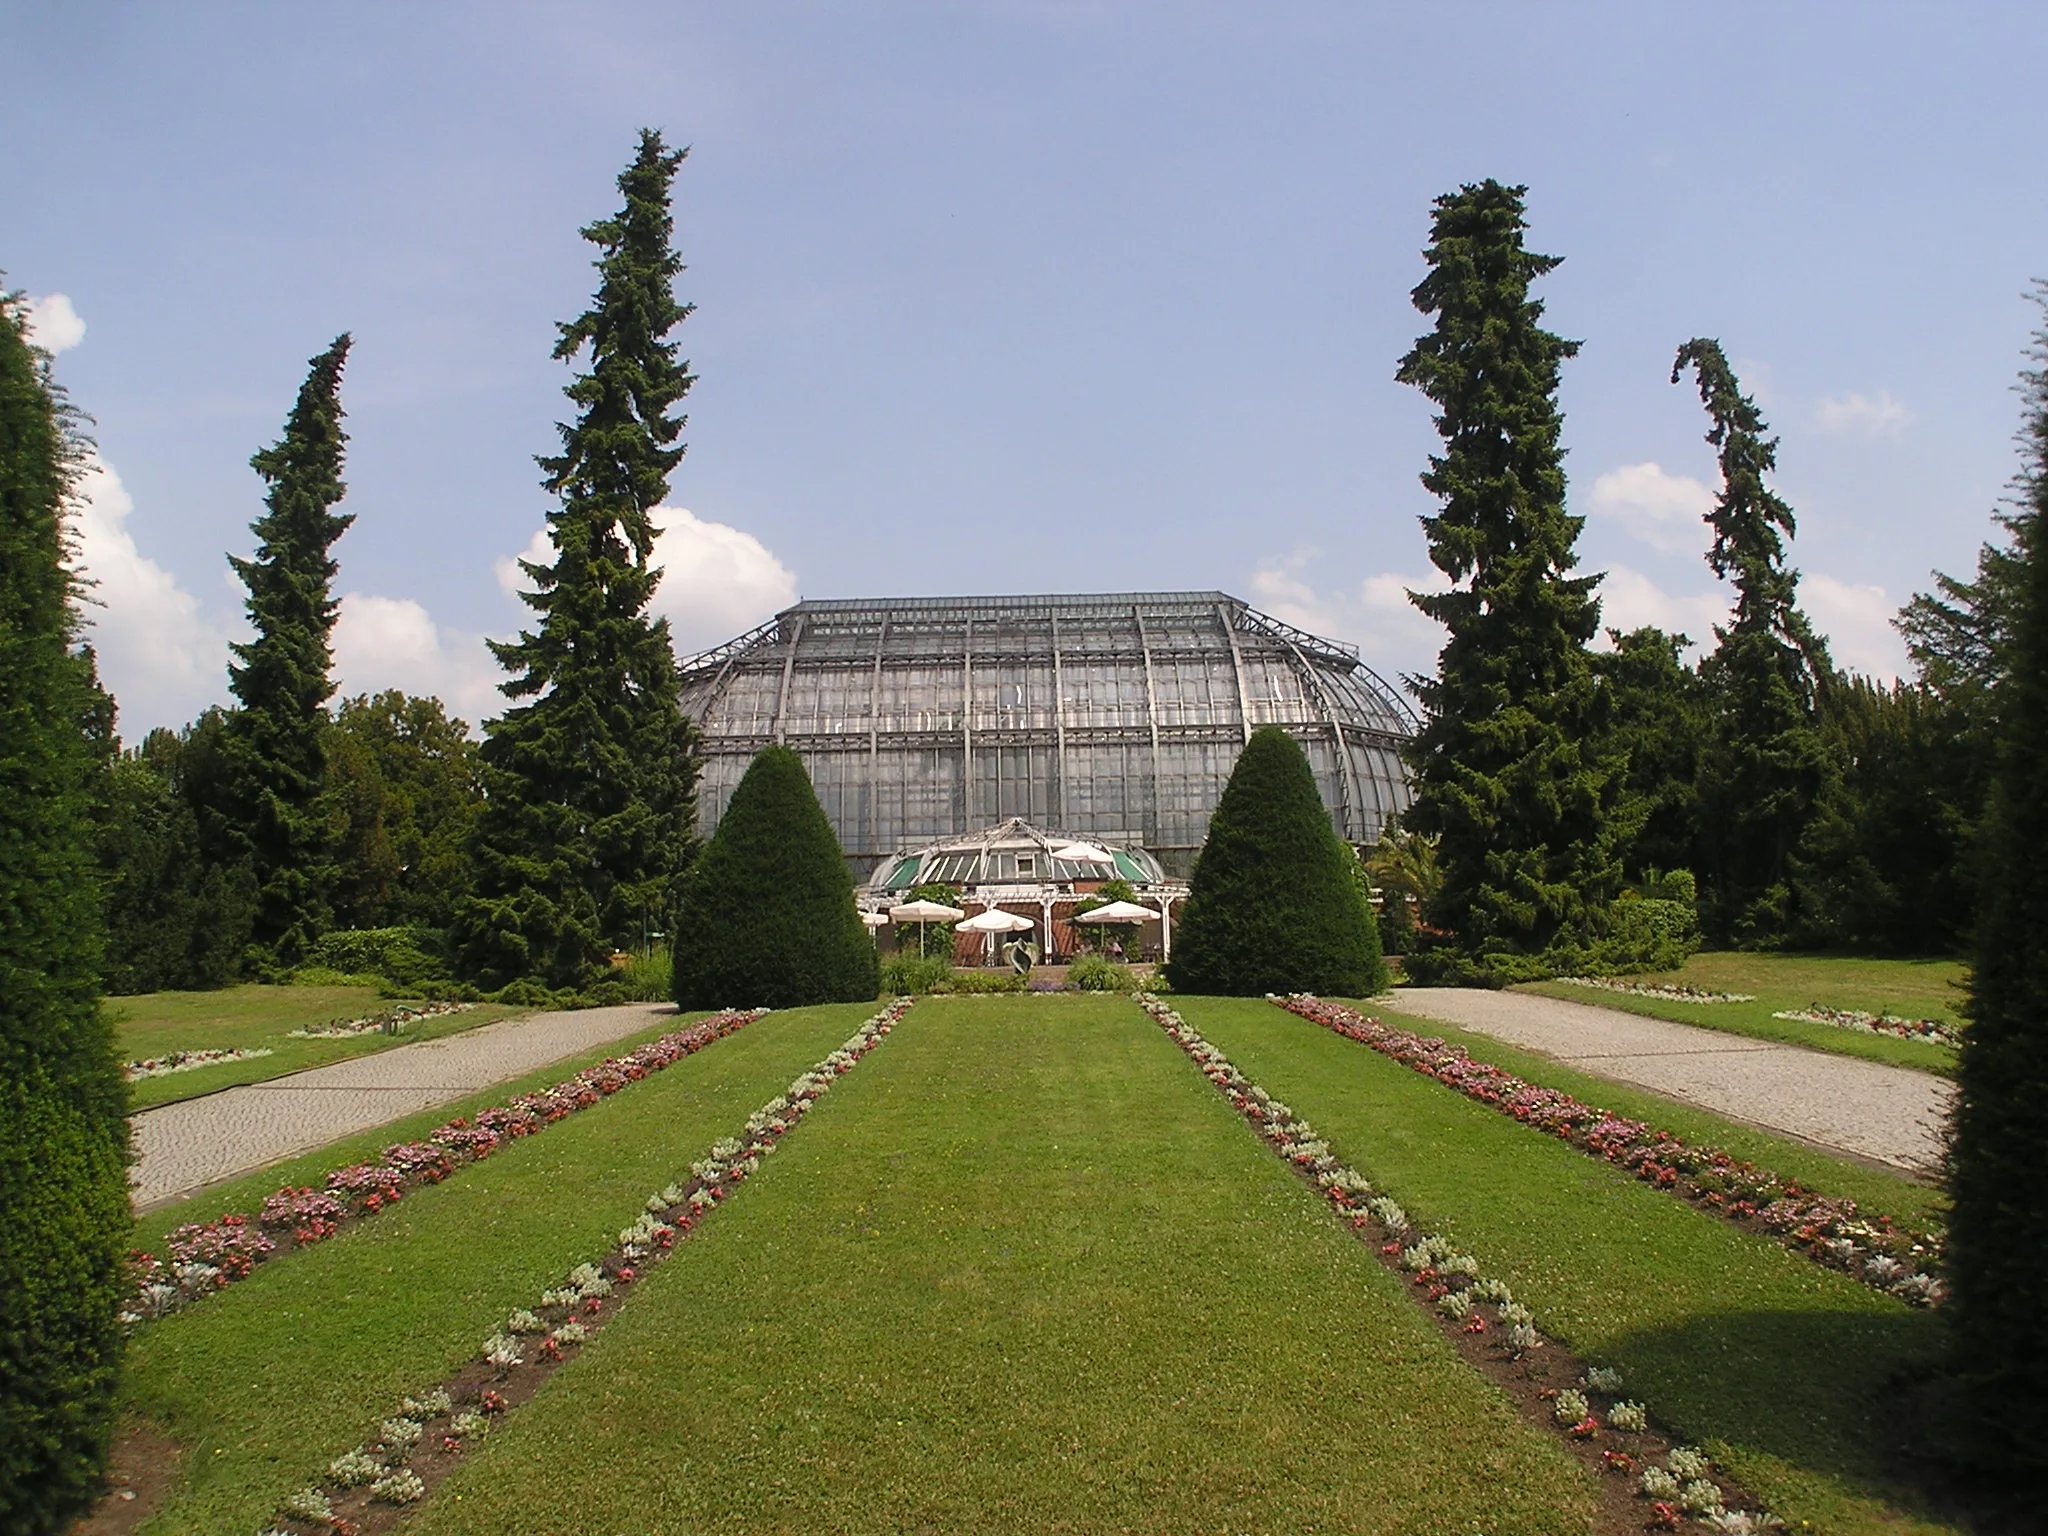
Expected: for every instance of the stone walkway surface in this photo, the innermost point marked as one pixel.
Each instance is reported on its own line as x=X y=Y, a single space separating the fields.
x=1891 y=1115
x=185 y=1146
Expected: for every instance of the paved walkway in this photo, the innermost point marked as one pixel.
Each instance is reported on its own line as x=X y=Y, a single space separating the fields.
x=185 y=1146
x=1891 y=1115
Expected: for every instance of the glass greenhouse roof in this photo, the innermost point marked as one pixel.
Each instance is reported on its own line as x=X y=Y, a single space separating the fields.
x=1116 y=717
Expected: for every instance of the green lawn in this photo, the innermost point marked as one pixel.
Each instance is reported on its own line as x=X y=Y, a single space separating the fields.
x=1781 y=1367
x=1912 y=989
x=252 y=1017
x=266 y=1382
x=1023 y=1270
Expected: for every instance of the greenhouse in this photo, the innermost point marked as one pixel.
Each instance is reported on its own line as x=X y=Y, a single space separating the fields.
x=1115 y=717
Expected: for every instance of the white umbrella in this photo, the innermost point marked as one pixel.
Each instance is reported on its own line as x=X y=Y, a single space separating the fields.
x=922 y=912
x=1118 y=912
x=1084 y=853
x=996 y=920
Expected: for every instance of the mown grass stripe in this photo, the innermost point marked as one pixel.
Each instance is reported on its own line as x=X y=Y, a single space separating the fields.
x=1024 y=1272
x=263 y=1384
x=1785 y=1371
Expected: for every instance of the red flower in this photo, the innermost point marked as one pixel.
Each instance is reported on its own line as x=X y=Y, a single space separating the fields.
x=1587 y=1428
x=1618 y=1461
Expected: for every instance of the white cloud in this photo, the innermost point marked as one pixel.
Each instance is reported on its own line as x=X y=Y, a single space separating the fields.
x=717 y=581
x=159 y=654
x=1392 y=634
x=1882 y=417
x=393 y=642
x=53 y=324
x=1630 y=600
x=1663 y=510
x=1858 y=623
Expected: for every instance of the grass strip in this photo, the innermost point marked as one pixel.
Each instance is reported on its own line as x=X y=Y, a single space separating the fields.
x=260 y=1385
x=1025 y=1273
x=1788 y=1373
x=1911 y=988
x=1900 y=1262
x=1880 y=1190
x=1547 y=1383
x=207 y=1257
x=255 y=1017
x=419 y=1444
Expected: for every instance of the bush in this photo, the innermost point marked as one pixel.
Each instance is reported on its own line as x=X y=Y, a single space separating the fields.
x=1092 y=973
x=767 y=916
x=648 y=978
x=406 y=957
x=1275 y=905
x=64 y=1214
x=910 y=975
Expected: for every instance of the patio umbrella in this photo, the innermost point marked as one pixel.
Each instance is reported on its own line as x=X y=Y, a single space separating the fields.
x=922 y=912
x=996 y=920
x=1084 y=853
x=875 y=919
x=1118 y=912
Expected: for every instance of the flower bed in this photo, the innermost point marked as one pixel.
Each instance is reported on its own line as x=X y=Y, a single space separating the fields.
x=187 y=1061
x=1935 y=1030
x=1900 y=1263
x=421 y=1443
x=389 y=1022
x=1481 y=1315
x=1661 y=994
x=204 y=1257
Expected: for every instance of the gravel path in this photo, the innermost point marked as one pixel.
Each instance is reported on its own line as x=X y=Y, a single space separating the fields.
x=185 y=1146
x=1891 y=1115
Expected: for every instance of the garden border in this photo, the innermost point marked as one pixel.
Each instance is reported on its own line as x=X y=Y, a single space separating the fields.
x=208 y=1256
x=366 y=1490
x=1509 y=1350
x=1898 y=1263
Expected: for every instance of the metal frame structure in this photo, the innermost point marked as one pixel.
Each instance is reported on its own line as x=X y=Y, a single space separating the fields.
x=1117 y=716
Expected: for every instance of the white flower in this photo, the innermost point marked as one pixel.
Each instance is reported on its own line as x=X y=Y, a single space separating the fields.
x=1603 y=1378
x=400 y=1487
x=1629 y=1416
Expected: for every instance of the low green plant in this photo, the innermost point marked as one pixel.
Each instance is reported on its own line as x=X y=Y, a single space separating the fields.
x=913 y=975
x=407 y=957
x=648 y=978
x=984 y=983
x=1092 y=973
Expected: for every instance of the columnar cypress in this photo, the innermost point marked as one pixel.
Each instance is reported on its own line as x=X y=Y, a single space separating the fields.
x=1998 y=1168
x=1767 y=760
x=1511 y=768
x=274 y=742
x=590 y=785
x=1275 y=904
x=767 y=917
x=64 y=1217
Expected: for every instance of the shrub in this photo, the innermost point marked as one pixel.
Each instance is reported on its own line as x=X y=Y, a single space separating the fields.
x=64 y=1216
x=1275 y=905
x=908 y=975
x=403 y=956
x=767 y=916
x=648 y=978
x=971 y=983
x=1092 y=973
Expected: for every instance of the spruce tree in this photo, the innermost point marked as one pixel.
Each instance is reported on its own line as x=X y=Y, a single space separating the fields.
x=274 y=742
x=64 y=1216
x=1657 y=721
x=1275 y=904
x=767 y=917
x=591 y=791
x=1998 y=1163
x=1512 y=769
x=1767 y=761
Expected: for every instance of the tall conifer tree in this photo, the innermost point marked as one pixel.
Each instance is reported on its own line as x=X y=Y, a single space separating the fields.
x=1767 y=761
x=274 y=742
x=591 y=790
x=1998 y=1166
x=1512 y=769
x=64 y=1216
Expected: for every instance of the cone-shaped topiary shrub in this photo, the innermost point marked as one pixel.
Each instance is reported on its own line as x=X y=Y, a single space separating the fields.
x=1274 y=905
x=767 y=917
x=64 y=1217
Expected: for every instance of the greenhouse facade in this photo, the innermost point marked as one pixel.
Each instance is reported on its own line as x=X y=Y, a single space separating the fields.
x=1117 y=716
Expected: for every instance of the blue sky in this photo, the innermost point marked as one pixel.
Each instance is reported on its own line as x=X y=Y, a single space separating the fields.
x=1010 y=296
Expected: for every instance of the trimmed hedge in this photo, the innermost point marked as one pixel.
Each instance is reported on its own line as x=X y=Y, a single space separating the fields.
x=1275 y=905
x=767 y=916
x=64 y=1218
